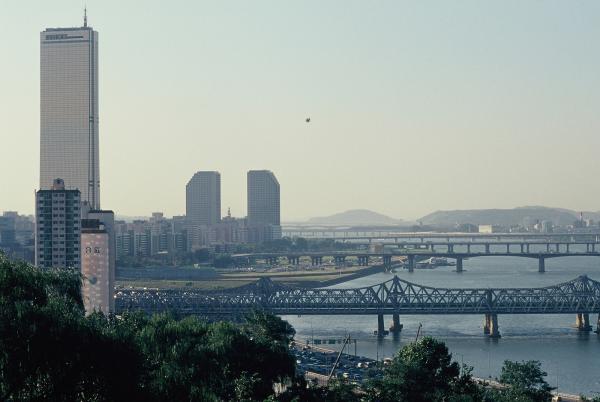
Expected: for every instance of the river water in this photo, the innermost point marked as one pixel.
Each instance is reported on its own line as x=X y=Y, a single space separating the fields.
x=571 y=359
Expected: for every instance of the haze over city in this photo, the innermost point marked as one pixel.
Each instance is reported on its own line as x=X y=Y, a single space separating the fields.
x=414 y=106
x=309 y=201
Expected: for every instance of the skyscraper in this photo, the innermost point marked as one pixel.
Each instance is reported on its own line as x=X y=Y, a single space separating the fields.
x=203 y=198
x=58 y=227
x=263 y=198
x=69 y=110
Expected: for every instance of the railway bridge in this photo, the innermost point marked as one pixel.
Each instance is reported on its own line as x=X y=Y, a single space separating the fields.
x=395 y=297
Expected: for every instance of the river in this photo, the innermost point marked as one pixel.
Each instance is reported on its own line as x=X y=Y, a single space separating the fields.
x=571 y=359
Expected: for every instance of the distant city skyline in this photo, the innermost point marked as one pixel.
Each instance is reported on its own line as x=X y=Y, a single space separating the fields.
x=411 y=112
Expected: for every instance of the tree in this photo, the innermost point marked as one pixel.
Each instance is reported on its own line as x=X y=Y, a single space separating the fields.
x=335 y=391
x=525 y=382
x=269 y=327
x=49 y=350
x=223 y=261
x=424 y=371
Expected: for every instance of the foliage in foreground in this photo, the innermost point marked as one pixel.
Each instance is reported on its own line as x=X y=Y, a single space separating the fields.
x=424 y=371
x=49 y=350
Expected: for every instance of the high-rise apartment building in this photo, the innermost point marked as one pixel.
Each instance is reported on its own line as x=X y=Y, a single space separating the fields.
x=203 y=198
x=69 y=110
x=97 y=288
x=263 y=198
x=58 y=227
x=106 y=220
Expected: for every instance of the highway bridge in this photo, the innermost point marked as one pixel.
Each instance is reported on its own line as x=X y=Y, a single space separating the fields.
x=391 y=235
x=458 y=250
x=395 y=297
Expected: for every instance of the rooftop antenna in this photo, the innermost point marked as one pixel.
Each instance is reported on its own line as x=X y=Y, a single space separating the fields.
x=85 y=17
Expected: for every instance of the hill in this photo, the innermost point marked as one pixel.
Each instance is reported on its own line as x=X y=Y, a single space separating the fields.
x=513 y=216
x=356 y=217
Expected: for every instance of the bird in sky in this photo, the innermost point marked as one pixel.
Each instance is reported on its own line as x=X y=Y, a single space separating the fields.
x=308 y=119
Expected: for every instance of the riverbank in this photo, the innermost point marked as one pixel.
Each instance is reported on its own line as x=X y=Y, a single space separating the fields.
x=208 y=278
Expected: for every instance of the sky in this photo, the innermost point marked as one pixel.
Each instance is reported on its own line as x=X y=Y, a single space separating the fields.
x=415 y=106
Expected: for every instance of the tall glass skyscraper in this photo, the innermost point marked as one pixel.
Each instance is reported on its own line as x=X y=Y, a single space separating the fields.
x=69 y=110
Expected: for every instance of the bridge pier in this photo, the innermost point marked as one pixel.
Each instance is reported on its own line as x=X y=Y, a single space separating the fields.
x=522 y=247
x=450 y=248
x=396 y=327
x=582 y=322
x=541 y=265
x=567 y=247
x=557 y=247
x=339 y=259
x=387 y=260
x=486 y=324
x=459 y=264
x=493 y=328
x=598 y=325
x=380 y=326
x=487 y=248
x=468 y=248
x=411 y=263
x=507 y=248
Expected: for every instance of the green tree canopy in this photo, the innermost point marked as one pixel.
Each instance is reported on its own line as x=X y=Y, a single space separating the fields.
x=49 y=349
x=424 y=371
x=525 y=383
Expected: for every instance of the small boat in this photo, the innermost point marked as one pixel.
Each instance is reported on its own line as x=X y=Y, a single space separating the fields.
x=433 y=262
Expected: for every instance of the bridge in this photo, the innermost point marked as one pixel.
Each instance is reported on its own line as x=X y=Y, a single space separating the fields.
x=395 y=297
x=394 y=235
x=458 y=250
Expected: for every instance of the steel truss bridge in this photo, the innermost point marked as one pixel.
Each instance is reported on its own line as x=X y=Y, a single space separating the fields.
x=396 y=297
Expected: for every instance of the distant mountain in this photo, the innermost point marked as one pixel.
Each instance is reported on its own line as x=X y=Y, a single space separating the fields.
x=514 y=216
x=356 y=217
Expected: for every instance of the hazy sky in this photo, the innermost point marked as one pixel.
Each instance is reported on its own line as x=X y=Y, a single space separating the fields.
x=415 y=106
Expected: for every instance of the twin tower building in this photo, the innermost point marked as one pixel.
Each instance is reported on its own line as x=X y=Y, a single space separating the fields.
x=203 y=207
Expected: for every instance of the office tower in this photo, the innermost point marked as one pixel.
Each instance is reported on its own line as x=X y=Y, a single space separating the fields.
x=69 y=110
x=97 y=287
x=57 y=231
x=263 y=198
x=203 y=198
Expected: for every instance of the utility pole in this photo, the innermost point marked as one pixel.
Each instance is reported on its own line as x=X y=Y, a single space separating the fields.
x=418 y=332
x=346 y=341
